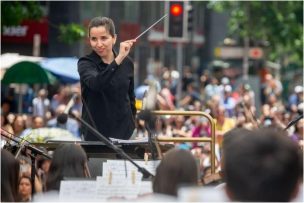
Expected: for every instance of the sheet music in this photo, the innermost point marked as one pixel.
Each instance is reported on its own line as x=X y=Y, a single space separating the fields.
x=119 y=141
x=114 y=184
x=122 y=180
x=77 y=190
x=118 y=166
x=118 y=187
x=149 y=165
x=145 y=188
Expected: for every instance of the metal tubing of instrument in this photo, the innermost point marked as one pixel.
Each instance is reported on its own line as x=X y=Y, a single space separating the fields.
x=181 y=139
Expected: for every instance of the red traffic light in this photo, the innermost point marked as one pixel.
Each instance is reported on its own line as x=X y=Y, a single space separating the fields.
x=176 y=9
x=255 y=53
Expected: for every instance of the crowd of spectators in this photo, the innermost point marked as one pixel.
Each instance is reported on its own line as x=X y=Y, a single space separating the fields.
x=231 y=105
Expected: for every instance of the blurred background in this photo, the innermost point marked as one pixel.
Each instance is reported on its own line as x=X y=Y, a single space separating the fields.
x=242 y=41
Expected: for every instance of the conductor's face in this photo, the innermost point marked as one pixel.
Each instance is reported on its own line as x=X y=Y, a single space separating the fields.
x=102 y=41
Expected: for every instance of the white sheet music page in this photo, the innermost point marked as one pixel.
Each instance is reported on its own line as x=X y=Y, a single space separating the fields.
x=117 y=187
x=118 y=166
x=77 y=190
x=122 y=168
x=145 y=188
x=122 y=180
x=149 y=165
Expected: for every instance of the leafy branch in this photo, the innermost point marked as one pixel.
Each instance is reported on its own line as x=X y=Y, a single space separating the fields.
x=14 y=12
x=279 y=24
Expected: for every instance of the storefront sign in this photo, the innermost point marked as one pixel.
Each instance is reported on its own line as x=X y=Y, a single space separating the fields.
x=24 y=33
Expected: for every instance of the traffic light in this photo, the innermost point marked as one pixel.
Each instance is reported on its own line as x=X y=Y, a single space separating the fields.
x=190 y=18
x=176 y=24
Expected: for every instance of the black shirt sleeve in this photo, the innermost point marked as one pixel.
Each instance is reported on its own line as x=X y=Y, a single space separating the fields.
x=95 y=79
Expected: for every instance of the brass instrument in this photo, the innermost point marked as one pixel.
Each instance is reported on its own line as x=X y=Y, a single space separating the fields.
x=188 y=139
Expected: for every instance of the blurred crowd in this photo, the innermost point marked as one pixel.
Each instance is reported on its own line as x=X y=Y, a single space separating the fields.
x=229 y=103
x=41 y=112
x=232 y=106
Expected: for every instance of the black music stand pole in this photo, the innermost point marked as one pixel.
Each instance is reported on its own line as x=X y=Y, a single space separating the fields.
x=291 y=123
x=147 y=116
x=33 y=172
x=150 y=137
x=34 y=152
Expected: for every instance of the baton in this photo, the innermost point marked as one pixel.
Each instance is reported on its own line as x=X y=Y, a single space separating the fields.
x=151 y=26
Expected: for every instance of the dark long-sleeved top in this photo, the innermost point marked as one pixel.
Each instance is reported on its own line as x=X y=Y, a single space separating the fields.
x=108 y=92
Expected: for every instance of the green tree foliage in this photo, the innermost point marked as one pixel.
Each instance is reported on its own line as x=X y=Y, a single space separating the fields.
x=71 y=33
x=14 y=12
x=279 y=23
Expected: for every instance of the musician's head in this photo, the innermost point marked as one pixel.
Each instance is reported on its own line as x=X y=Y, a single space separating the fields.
x=19 y=124
x=25 y=188
x=102 y=36
x=9 y=177
x=38 y=122
x=4 y=120
x=264 y=166
x=178 y=167
x=69 y=161
x=229 y=139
